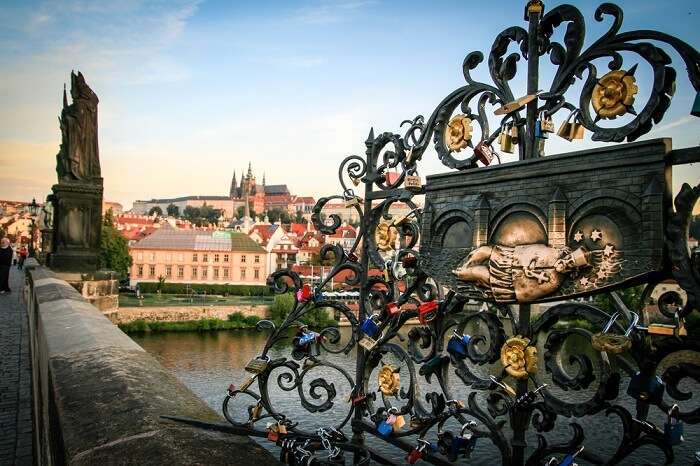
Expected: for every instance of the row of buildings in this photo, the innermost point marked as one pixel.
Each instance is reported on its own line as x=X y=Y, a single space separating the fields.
x=258 y=197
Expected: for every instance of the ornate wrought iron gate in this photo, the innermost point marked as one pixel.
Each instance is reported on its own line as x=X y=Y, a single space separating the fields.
x=542 y=229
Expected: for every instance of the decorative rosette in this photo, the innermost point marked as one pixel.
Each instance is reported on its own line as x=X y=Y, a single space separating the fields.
x=459 y=133
x=519 y=359
x=385 y=236
x=614 y=94
x=389 y=380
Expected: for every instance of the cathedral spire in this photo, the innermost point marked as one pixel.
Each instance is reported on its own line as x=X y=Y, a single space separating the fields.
x=232 y=191
x=250 y=170
x=263 y=178
x=65 y=97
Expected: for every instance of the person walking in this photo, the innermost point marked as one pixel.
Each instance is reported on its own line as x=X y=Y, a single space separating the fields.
x=23 y=253
x=5 y=264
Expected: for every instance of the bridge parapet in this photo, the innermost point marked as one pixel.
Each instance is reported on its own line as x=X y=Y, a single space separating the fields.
x=98 y=396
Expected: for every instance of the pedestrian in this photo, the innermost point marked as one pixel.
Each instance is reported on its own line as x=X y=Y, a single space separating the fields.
x=23 y=253
x=5 y=264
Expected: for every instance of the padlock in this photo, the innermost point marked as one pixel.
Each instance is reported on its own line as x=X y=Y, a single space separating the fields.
x=464 y=443
x=351 y=256
x=409 y=261
x=307 y=336
x=399 y=422
x=305 y=293
x=528 y=398
x=571 y=128
x=413 y=183
x=355 y=181
x=392 y=309
x=539 y=134
x=248 y=383
x=546 y=124
x=257 y=365
x=504 y=386
x=506 y=140
x=384 y=428
x=254 y=411
x=350 y=199
x=648 y=388
x=484 y=152
x=427 y=312
x=673 y=428
x=514 y=133
x=387 y=271
x=677 y=330
x=695 y=111
x=458 y=345
x=417 y=452
x=367 y=342
x=358 y=399
x=569 y=459
x=273 y=434
x=369 y=326
x=611 y=343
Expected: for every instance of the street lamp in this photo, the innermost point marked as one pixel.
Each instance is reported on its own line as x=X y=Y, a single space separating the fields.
x=33 y=210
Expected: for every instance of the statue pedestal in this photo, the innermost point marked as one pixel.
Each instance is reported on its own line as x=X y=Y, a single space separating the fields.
x=100 y=288
x=77 y=226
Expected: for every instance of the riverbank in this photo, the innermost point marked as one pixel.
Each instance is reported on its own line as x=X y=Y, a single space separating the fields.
x=235 y=322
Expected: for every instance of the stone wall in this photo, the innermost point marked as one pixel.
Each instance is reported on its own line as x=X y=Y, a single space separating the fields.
x=98 y=396
x=183 y=313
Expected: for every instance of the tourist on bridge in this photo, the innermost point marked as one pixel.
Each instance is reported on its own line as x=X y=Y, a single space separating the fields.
x=22 y=253
x=5 y=263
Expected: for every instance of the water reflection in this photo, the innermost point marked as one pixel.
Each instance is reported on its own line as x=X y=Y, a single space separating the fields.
x=208 y=362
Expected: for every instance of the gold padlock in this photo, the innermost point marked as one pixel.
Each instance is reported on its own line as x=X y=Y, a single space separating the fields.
x=571 y=129
x=413 y=183
x=367 y=342
x=514 y=133
x=506 y=140
x=546 y=124
x=399 y=423
x=255 y=411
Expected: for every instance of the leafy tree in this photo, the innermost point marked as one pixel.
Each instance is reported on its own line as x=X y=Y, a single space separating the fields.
x=632 y=297
x=241 y=212
x=210 y=214
x=114 y=249
x=155 y=210
x=278 y=214
x=298 y=217
x=173 y=210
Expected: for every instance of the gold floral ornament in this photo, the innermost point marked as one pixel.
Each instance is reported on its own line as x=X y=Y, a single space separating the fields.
x=518 y=358
x=614 y=94
x=385 y=235
x=389 y=380
x=459 y=133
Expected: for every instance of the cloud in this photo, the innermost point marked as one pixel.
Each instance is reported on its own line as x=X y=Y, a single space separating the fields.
x=675 y=123
x=328 y=12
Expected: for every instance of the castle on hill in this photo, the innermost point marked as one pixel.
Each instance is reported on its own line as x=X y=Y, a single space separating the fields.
x=258 y=197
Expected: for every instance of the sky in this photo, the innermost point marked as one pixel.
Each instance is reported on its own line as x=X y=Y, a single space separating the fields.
x=191 y=90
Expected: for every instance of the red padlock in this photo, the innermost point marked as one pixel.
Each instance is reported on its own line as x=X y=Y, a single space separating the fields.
x=305 y=293
x=427 y=312
x=273 y=436
x=231 y=389
x=392 y=309
x=352 y=257
x=414 y=456
x=484 y=152
x=409 y=261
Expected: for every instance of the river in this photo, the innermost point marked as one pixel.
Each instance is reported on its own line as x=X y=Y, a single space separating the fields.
x=208 y=362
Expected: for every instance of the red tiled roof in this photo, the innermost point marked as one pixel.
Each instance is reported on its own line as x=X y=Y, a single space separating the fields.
x=344 y=232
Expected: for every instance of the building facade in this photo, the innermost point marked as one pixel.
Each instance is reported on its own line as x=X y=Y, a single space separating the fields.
x=194 y=256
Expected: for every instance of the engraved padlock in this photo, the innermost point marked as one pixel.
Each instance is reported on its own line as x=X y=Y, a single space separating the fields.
x=484 y=152
x=351 y=200
x=506 y=139
x=412 y=182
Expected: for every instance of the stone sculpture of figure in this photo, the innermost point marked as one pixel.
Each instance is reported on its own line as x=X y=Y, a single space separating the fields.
x=521 y=273
x=79 y=155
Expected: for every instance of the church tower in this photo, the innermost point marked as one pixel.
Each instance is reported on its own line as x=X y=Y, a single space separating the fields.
x=233 y=192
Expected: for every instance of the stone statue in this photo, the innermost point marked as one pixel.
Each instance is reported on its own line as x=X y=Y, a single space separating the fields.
x=79 y=157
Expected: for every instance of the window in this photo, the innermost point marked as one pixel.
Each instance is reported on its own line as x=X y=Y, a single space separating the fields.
x=243 y=274
x=216 y=274
x=205 y=257
x=225 y=257
x=225 y=273
x=216 y=258
x=243 y=259
x=194 y=273
x=194 y=257
x=204 y=273
x=139 y=269
x=153 y=257
x=257 y=259
x=256 y=274
x=168 y=271
x=152 y=271
x=180 y=272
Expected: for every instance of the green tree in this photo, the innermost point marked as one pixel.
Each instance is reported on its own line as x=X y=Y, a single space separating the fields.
x=173 y=210
x=114 y=249
x=632 y=297
x=241 y=212
x=210 y=214
x=298 y=217
x=155 y=210
x=277 y=214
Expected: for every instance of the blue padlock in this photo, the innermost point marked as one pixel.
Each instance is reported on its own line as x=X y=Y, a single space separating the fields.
x=673 y=429
x=569 y=459
x=458 y=345
x=307 y=337
x=648 y=388
x=538 y=131
x=385 y=429
x=370 y=327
